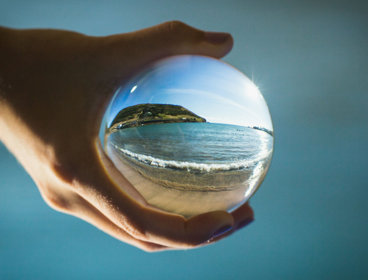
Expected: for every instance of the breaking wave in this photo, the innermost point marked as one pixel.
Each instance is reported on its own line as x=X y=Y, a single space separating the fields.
x=192 y=166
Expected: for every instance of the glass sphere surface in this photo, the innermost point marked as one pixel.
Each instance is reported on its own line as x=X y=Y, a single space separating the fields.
x=191 y=133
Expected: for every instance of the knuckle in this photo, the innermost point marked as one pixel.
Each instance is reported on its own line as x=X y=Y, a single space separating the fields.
x=175 y=25
x=138 y=233
x=58 y=199
x=180 y=29
x=63 y=172
x=57 y=202
x=150 y=248
x=133 y=229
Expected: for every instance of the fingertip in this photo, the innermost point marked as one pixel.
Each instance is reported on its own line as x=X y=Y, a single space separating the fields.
x=217 y=37
x=243 y=213
x=221 y=42
x=244 y=223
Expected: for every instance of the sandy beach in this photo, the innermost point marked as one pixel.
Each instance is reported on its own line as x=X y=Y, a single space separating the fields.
x=175 y=191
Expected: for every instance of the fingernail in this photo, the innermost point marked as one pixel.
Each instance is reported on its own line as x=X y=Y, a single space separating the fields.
x=216 y=37
x=245 y=223
x=221 y=231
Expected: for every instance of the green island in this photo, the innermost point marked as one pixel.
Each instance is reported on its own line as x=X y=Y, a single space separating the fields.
x=144 y=114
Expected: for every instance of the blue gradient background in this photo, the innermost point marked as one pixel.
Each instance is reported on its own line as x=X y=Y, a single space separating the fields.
x=310 y=60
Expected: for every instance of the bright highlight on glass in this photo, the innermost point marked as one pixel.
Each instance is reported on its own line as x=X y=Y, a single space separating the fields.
x=191 y=133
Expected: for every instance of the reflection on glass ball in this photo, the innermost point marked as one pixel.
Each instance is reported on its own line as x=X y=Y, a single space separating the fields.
x=191 y=133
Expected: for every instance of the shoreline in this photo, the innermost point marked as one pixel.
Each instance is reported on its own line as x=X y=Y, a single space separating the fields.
x=186 y=202
x=185 y=179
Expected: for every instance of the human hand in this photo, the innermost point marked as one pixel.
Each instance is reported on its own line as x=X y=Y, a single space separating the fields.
x=54 y=89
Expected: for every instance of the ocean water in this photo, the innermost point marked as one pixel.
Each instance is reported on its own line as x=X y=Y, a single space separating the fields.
x=181 y=160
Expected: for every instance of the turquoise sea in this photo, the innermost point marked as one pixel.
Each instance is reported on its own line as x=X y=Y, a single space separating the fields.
x=198 y=154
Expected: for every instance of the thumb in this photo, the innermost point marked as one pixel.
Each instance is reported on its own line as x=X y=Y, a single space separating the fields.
x=175 y=37
x=139 y=48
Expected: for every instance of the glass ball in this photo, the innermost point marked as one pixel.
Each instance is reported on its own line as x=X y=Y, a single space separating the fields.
x=191 y=133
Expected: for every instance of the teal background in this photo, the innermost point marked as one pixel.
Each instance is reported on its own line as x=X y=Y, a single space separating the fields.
x=310 y=60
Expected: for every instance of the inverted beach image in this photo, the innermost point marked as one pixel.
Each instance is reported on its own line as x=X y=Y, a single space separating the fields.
x=191 y=133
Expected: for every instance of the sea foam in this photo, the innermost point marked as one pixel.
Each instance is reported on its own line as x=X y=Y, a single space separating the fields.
x=193 y=166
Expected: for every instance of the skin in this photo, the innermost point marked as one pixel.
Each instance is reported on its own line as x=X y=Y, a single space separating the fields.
x=54 y=89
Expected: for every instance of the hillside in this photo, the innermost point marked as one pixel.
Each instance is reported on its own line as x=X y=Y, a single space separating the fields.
x=144 y=114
